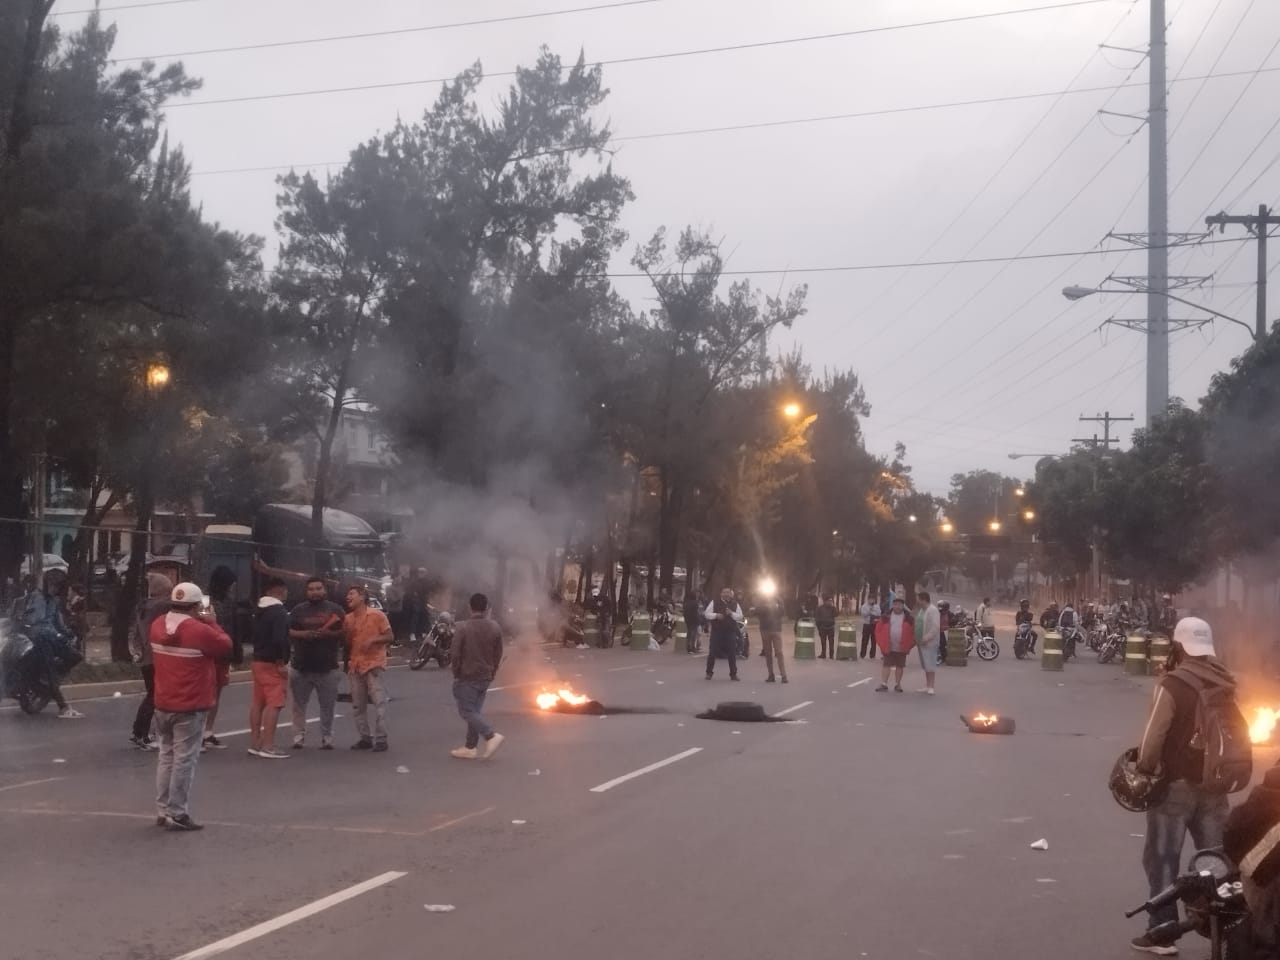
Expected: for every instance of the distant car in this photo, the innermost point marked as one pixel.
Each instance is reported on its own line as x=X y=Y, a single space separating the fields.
x=49 y=561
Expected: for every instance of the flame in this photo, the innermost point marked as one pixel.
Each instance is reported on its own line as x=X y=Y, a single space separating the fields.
x=1263 y=724
x=547 y=700
x=983 y=720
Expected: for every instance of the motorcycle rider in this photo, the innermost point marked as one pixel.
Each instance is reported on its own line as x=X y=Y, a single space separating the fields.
x=1167 y=617
x=47 y=627
x=1167 y=749
x=1049 y=619
x=1067 y=627
x=1024 y=615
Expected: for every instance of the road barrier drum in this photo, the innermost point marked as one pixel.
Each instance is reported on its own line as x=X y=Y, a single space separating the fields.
x=806 y=631
x=680 y=642
x=591 y=630
x=640 y=631
x=1135 y=655
x=1051 y=651
x=1161 y=646
x=955 y=654
x=847 y=642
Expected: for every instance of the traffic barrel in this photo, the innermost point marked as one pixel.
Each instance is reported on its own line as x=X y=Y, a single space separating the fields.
x=847 y=642
x=1051 y=651
x=680 y=643
x=1135 y=655
x=640 y=631
x=1161 y=647
x=806 y=631
x=955 y=654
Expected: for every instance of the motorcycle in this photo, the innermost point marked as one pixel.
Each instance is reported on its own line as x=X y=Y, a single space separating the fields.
x=1112 y=646
x=1213 y=896
x=1024 y=641
x=436 y=644
x=663 y=627
x=22 y=672
x=1070 y=637
x=983 y=640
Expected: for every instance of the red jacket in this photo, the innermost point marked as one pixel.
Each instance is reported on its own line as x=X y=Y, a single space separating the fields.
x=184 y=651
x=908 y=629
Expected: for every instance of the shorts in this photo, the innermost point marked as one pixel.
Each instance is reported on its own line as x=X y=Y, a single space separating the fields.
x=270 y=684
x=224 y=674
x=898 y=659
x=929 y=656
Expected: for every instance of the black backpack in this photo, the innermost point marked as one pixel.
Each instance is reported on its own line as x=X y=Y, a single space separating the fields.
x=1223 y=735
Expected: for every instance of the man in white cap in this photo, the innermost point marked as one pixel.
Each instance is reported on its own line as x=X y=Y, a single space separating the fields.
x=1195 y=685
x=186 y=644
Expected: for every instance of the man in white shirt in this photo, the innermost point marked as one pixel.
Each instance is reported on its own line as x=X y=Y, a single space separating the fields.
x=725 y=617
x=928 y=638
x=985 y=623
x=870 y=614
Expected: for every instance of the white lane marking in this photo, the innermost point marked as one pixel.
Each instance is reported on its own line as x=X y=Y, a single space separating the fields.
x=858 y=683
x=634 y=666
x=287 y=723
x=798 y=706
x=30 y=783
x=293 y=916
x=610 y=784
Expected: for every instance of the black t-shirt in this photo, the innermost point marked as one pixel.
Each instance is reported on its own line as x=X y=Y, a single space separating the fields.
x=271 y=634
x=316 y=656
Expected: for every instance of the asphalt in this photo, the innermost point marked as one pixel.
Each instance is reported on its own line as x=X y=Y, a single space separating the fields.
x=873 y=826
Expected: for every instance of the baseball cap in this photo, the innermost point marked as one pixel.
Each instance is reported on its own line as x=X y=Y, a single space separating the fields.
x=1195 y=636
x=187 y=594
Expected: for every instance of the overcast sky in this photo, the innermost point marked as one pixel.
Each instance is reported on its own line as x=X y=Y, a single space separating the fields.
x=964 y=364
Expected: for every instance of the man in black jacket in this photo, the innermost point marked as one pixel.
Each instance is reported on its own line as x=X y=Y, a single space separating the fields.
x=768 y=614
x=725 y=617
x=270 y=670
x=825 y=620
x=1252 y=842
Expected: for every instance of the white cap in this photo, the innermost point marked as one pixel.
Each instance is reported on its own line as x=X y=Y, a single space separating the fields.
x=187 y=594
x=1195 y=636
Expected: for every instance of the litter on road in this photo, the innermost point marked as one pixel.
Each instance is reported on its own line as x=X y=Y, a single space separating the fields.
x=1040 y=844
x=402 y=769
x=439 y=907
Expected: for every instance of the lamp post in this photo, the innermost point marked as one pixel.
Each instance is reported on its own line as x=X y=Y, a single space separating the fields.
x=1079 y=293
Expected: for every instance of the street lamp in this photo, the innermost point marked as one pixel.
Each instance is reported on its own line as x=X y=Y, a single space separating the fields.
x=1079 y=293
x=947 y=526
x=157 y=376
x=1028 y=515
x=911 y=518
x=791 y=411
x=1020 y=492
x=994 y=526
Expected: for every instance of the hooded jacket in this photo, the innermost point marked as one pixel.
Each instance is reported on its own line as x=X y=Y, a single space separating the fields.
x=156 y=605
x=1166 y=741
x=271 y=632
x=185 y=651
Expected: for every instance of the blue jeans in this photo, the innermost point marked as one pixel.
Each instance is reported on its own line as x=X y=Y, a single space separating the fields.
x=1186 y=809
x=470 y=695
x=180 y=735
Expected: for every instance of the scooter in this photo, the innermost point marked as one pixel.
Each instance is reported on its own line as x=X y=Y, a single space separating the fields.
x=436 y=644
x=22 y=673
x=1213 y=897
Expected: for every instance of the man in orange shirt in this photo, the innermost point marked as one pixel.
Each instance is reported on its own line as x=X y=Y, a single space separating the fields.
x=368 y=633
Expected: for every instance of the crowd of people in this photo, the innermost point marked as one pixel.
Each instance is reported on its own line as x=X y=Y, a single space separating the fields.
x=183 y=639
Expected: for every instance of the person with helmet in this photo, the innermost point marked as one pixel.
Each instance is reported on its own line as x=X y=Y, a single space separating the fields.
x=1166 y=617
x=45 y=621
x=1166 y=777
x=186 y=645
x=1024 y=615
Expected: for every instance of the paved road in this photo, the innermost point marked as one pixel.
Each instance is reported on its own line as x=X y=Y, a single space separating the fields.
x=874 y=827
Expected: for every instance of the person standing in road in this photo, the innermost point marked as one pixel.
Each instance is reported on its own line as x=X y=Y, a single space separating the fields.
x=928 y=627
x=825 y=619
x=221 y=598
x=870 y=614
x=316 y=632
x=186 y=644
x=725 y=617
x=692 y=621
x=769 y=615
x=986 y=625
x=477 y=654
x=368 y=633
x=270 y=670
x=894 y=637
x=1169 y=748
x=159 y=587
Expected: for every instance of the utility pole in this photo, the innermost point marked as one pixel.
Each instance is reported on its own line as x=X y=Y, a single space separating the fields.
x=1257 y=224
x=1106 y=419
x=1158 y=221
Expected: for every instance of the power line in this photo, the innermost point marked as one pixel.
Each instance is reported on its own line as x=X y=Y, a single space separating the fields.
x=123 y=6
x=1218 y=59
x=336 y=38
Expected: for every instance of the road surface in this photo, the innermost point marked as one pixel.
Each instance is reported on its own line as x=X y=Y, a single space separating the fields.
x=873 y=826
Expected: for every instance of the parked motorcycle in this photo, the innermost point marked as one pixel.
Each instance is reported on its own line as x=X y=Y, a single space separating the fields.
x=1070 y=637
x=1112 y=646
x=663 y=626
x=984 y=641
x=1213 y=897
x=436 y=644
x=1024 y=641
x=22 y=673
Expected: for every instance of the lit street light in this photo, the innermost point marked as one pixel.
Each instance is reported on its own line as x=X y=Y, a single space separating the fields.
x=1079 y=293
x=157 y=376
x=947 y=526
x=1028 y=515
x=791 y=411
x=912 y=518
x=994 y=526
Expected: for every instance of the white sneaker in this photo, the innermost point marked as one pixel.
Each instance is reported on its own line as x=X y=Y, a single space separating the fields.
x=492 y=744
x=930 y=691
x=70 y=713
x=254 y=752
x=464 y=753
x=273 y=754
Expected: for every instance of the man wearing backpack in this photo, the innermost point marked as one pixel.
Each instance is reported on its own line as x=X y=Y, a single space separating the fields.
x=1194 y=706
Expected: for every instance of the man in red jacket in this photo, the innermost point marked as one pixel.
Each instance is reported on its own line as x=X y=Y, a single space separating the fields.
x=185 y=646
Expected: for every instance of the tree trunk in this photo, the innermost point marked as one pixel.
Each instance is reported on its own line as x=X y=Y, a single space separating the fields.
x=585 y=573
x=320 y=493
x=131 y=589
x=653 y=579
x=669 y=517
x=623 y=603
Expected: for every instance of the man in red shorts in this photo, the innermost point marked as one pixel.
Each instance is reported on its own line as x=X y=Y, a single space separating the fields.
x=270 y=670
